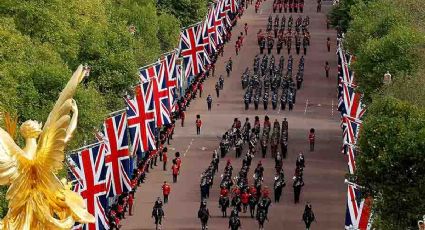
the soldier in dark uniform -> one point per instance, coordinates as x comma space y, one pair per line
279, 44
262, 45
283, 101
297, 43
265, 100
256, 101
264, 145
217, 89
270, 43
290, 101
305, 44
288, 44
274, 100
298, 184
246, 99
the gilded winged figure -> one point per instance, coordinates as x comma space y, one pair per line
37, 198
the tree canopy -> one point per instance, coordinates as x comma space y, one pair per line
387, 35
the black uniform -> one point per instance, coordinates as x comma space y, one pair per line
262, 45
256, 101
279, 45
274, 100
246, 100
265, 100
270, 44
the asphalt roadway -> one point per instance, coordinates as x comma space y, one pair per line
315, 108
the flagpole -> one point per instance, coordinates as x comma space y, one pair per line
146, 66
84, 147
116, 112
191, 25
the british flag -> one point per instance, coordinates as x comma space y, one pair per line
157, 92
351, 158
214, 35
117, 157
352, 102
232, 5
358, 213
221, 15
89, 171
169, 72
192, 49
141, 120
347, 74
352, 128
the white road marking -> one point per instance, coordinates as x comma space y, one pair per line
188, 147
306, 105
332, 108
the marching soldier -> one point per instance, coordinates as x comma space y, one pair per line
262, 45
283, 101
217, 89
298, 184
279, 44
297, 44
264, 145
246, 100
274, 100
290, 101
270, 43
305, 44
265, 100
256, 101
209, 102
288, 44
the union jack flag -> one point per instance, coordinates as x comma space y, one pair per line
117, 157
358, 210
347, 75
352, 102
221, 15
214, 35
192, 50
89, 171
351, 156
157, 92
232, 5
169, 71
351, 129
141, 120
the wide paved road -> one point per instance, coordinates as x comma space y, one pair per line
325, 168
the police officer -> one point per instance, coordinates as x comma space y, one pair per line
256, 101
265, 100
262, 45
274, 100
209, 102
270, 43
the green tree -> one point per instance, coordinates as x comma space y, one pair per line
187, 11
390, 164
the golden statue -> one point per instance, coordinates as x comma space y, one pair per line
37, 199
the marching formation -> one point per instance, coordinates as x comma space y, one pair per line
268, 78
236, 192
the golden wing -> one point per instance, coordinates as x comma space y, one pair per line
59, 126
8, 163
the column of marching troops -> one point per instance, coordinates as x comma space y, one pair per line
300, 35
235, 191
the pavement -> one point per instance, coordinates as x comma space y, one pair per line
315, 108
